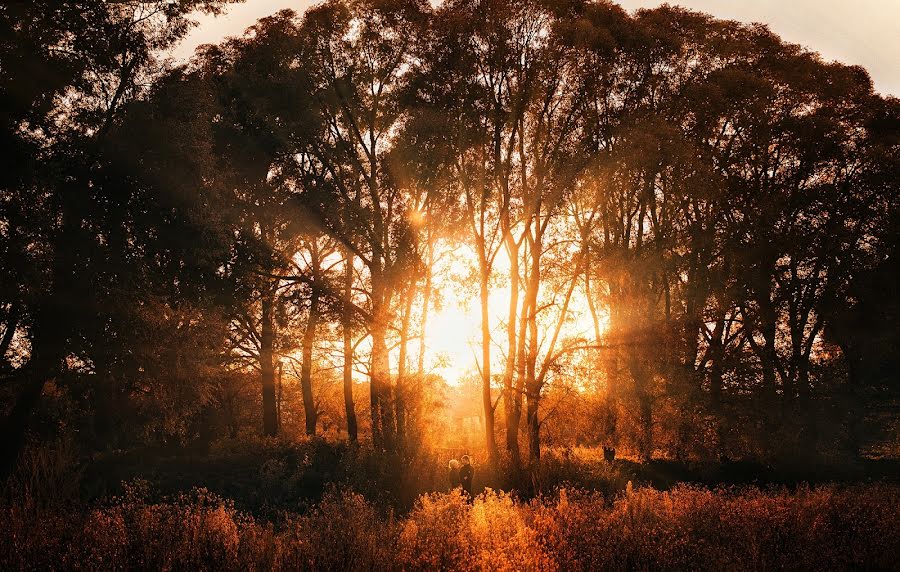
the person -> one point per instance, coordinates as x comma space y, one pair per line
454, 474
466, 472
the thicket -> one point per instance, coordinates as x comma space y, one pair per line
687, 528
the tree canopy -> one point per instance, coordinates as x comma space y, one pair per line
680, 232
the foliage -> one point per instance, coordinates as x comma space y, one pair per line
190, 254
688, 528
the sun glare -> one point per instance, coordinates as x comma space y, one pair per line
453, 333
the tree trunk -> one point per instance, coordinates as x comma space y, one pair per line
716, 352
768, 326
266, 362
347, 327
380, 367
592, 307
645, 406
67, 299
375, 414
852, 397
280, 401
519, 391
487, 401
646, 419
12, 322
426, 303
510, 396
532, 386
400, 396
533, 424
309, 338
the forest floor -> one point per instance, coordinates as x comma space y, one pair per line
269, 504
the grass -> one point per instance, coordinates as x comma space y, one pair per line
686, 528
271, 504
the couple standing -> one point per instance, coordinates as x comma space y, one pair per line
461, 476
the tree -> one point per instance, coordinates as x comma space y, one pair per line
359, 56
99, 56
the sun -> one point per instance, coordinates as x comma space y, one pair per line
453, 329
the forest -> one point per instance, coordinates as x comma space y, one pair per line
640, 267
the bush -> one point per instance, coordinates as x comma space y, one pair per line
687, 528
445, 532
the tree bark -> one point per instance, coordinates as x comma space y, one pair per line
532, 386
520, 387
487, 401
309, 337
510, 396
716, 353
380, 367
400, 396
768, 326
645, 406
426, 303
266, 362
280, 397
347, 327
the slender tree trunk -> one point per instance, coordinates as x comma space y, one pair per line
645, 406
380, 368
266, 362
592, 306
690, 343
852, 397
532, 387
716, 355
375, 414
716, 352
532, 422
280, 378
426, 303
347, 327
511, 398
520, 388
400, 397
646, 419
487, 401
309, 338
768, 327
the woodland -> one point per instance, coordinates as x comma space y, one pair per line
640, 266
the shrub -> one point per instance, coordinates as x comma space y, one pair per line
686, 528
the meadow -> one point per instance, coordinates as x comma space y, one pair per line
317, 506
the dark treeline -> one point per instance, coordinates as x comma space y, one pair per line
178, 242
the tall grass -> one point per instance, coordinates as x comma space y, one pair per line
687, 528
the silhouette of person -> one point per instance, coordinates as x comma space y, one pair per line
454, 474
466, 472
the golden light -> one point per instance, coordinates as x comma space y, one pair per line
453, 332
417, 217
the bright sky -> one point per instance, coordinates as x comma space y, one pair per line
453, 332
861, 32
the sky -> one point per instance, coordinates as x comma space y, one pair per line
859, 32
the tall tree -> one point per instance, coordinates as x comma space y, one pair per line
359, 55
100, 56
